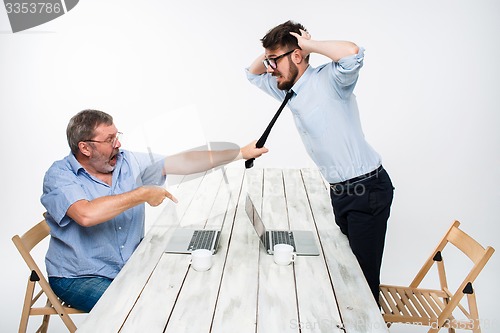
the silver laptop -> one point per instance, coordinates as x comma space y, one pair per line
186, 240
302, 240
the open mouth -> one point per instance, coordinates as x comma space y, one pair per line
278, 76
113, 158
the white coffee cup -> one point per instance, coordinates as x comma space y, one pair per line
201, 260
283, 254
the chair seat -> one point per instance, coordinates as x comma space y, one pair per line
400, 304
419, 307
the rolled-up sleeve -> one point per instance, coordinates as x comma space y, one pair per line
353, 62
345, 72
266, 82
61, 189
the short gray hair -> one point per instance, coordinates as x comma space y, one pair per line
81, 126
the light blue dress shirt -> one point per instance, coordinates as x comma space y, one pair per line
326, 115
103, 249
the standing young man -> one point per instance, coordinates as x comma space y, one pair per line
326, 115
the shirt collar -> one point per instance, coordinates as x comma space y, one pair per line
76, 166
73, 162
300, 82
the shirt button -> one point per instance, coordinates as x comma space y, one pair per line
119, 228
121, 247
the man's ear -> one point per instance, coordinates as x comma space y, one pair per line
298, 57
84, 148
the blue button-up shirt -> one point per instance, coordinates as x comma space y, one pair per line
326, 115
103, 249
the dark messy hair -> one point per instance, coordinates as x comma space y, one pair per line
82, 126
280, 37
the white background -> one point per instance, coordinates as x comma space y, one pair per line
428, 97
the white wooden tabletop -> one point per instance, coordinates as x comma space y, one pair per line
244, 291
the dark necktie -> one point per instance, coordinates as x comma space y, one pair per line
260, 143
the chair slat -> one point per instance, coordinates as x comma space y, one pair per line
394, 308
438, 301
402, 292
430, 300
416, 303
383, 303
401, 305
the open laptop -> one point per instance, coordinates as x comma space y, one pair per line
186, 240
302, 241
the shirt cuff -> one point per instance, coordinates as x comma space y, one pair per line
354, 61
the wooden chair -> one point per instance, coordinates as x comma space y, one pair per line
53, 306
436, 308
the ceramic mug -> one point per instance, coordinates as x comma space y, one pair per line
283, 254
201, 260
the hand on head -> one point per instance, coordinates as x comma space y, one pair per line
302, 39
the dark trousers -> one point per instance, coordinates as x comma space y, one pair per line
361, 209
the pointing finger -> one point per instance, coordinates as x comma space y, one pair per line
171, 197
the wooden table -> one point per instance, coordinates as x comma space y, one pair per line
244, 291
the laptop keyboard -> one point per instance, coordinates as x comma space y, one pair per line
283, 237
202, 239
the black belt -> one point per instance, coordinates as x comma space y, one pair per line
354, 180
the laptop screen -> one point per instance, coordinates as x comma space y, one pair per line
256, 220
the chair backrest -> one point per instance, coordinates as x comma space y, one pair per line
29, 240
467, 245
